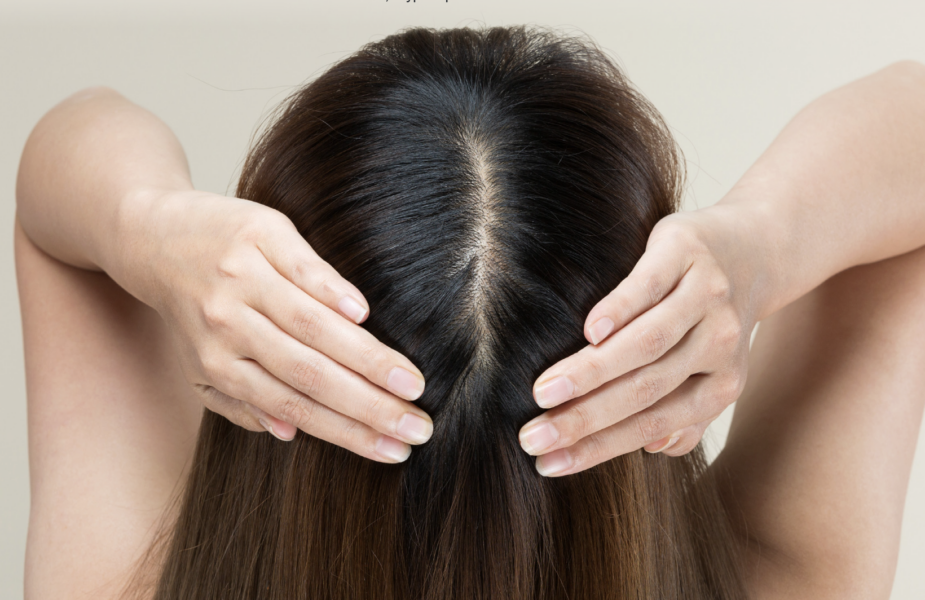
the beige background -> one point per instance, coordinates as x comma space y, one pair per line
727, 77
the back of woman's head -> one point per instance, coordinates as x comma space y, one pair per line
483, 189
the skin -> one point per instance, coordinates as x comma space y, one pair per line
820, 241
265, 330
841, 186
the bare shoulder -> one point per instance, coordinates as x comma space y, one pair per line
112, 426
819, 454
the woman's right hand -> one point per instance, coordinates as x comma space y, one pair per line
267, 332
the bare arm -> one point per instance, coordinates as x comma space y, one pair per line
82, 165
265, 330
112, 427
821, 446
841, 186
820, 450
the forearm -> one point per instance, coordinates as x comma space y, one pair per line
82, 171
842, 185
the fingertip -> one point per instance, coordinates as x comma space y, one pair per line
662, 444
415, 429
351, 308
555, 463
599, 331
392, 450
280, 429
554, 391
596, 314
405, 384
285, 430
606, 317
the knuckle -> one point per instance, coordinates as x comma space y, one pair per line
230, 266
669, 228
619, 307
274, 219
720, 288
241, 416
307, 325
369, 358
652, 287
592, 451
651, 426
678, 232
595, 373
252, 230
374, 409
308, 376
208, 395
728, 334
324, 283
295, 410
301, 270
720, 338
352, 436
731, 388
212, 365
644, 389
580, 423
734, 331
222, 404
216, 314
653, 342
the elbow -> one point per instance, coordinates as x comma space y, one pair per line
87, 93
908, 70
93, 95
47, 134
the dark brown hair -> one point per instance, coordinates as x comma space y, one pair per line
483, 189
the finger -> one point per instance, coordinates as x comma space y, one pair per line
656, 273
231, 408
317, 326
694, 401
289, 253
636, 391
680, 442
281, 430
324, 380
641, 342
253, 384
244, 414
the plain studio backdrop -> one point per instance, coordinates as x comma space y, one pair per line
726, 76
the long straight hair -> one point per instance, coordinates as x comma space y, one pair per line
483, 189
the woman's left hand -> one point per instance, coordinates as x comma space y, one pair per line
669, 349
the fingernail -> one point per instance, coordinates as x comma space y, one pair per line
405, 384
353, 309
539, 437
671, 442
555, 391
268, 427
392, 449
553, 463
414, 429
600, 330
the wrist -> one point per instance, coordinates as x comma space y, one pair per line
757, 231
141, 225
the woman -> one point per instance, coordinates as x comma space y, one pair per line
526, 179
